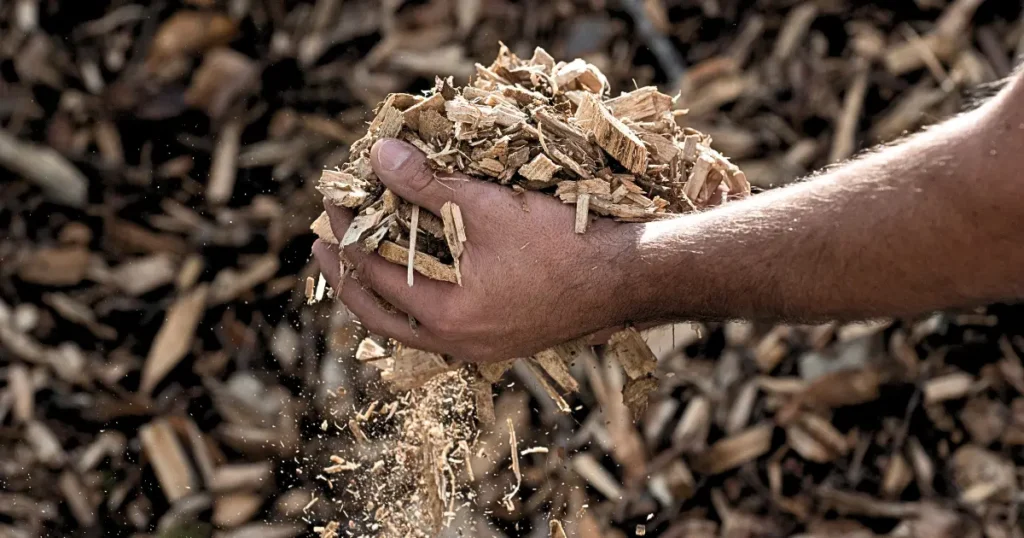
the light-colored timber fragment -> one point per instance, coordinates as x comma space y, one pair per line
321, 227
360, 227
424, 264
454, 230
556, 367
698, 176
735, 450
414, 227
342, 189
629, 349
582, 212
541, 168
644, 104
414, 113
612, 135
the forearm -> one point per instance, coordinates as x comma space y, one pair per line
933, 222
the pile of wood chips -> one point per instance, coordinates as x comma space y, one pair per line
537, 125
160, 376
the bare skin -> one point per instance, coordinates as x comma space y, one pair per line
933, 222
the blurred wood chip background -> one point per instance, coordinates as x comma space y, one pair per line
159, 375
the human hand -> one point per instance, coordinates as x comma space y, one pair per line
529, 281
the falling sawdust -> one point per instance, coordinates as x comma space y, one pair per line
408, 468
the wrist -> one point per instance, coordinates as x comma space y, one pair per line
637, 287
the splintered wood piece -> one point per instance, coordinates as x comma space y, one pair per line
342, 189
644, 104
735, 450
174, 339
612, 135
424, 264
542, 58
493, 371
55, 266
698, 176
167, 456
569, 72
230, 284
360, 227
224, 168
414, 114
691, 433
597, 476
22, 388
81, 500
370, 350
560, 402
414, 226
541, 169
552, 363
555, 529
413, 367
636, 394
948, 387
628, 348
582, 212
477, 116
389, 121
513, 444
807, 446
689, 151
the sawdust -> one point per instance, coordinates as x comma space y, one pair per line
408, 468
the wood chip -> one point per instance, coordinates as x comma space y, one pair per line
174, 340
166, 455
613, 136
424, 264
735, 450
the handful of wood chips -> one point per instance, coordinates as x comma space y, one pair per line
537, 125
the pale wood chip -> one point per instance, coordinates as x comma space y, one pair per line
698, 176
424, 264
414, 113
553, 363
555, 529
560, 402
174, 339
167, 456
413, 367
628, 348
343, 189
541, 168
370, 350
612, 135
507, 500
735, 450
414, 227
582, 212
643, 104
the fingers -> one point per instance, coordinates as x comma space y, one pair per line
341, 218
405, 171
390, 281
329, 261
379, 321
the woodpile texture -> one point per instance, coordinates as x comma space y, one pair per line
161, 376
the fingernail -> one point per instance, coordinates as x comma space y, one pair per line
393, 154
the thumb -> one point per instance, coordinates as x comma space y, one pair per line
404, 169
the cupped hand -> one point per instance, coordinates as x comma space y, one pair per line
528, 281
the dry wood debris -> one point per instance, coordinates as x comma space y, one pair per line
511, 125
105, 164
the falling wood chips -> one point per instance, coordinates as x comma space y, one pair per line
535, 125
